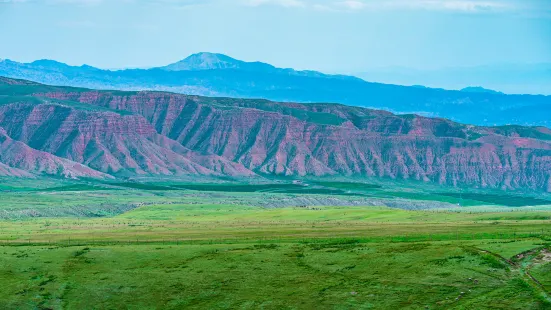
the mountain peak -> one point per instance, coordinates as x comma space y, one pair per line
479, 89
205, 61
48, 63
211, 56
215, 61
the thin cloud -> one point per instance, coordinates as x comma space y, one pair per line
56, 2
352, 4
472, 6
97, 2
526, 7
283, 3
453, 5
433, 5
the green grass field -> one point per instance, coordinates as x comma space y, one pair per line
162, 245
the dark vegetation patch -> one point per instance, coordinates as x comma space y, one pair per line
7, 188
335, 246
487, 258
24, 90
413, 247
313, 117
318, 191
81, 252
502, 199
19, 99
23, 94
521, 217
270, 246
350, 185
425, 196
522, 131
402, 247
445, 129
472, 136
266, 188
73, 188
265, 105
493, 261
85, 107
45, 280
239, 188
143, 186
448, 260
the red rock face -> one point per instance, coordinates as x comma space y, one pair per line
171, 134
107, 141
17, 159
7, 171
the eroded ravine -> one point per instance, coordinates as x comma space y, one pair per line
524, 262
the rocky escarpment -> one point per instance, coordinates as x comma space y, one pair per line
106, 141
162, 133
18, 159
7, 171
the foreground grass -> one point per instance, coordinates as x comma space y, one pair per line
205, 256
334, 275
175, 250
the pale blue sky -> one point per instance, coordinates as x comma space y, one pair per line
326, 35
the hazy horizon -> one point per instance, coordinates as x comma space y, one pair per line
494, 77
259, 59
331, 36
326, 35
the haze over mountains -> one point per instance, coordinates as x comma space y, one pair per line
220, 75
76, 132
507, 78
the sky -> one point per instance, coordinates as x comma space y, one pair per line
327, 35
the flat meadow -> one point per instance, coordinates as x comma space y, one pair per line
151, 246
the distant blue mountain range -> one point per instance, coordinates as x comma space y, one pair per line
508, 78
222, 76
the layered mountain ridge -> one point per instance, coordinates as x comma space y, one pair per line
211, 74
18, 159
121, 134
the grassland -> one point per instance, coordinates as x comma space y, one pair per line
152, 245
